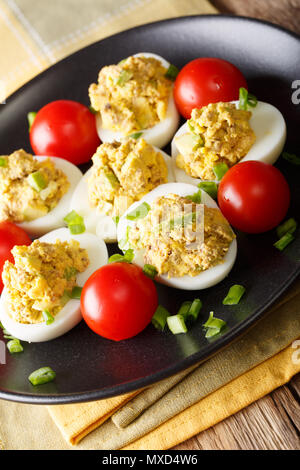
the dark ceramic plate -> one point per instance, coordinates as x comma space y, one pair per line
87, 366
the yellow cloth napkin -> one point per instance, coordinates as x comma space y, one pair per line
34, 35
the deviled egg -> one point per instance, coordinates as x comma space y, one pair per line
221, 133
181, 233
40, 300
136, 96
122, 173
35, 191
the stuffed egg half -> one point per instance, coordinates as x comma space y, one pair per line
135, 96
37, 301
122, 173
35, 191
179, 261
220, 132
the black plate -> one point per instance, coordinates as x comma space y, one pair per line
89, 367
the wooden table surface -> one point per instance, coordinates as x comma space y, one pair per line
273, 422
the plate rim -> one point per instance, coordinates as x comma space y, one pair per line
234, 334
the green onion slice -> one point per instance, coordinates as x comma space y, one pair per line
196, 198
47, 317
76, 292
140, 212
220, 169
124, 77
234, 295
210, 187
93, 110
76, 229
118, 258
246, 99
159, 318
150, 271
291, 158
136, 135
14, 346
112, 179
31, 117
116, 219
289, 226
176, 324
284, 241
215, 324
124, 242
37, 181
194, 310
184, 309
3, 161
42, 376
172, 72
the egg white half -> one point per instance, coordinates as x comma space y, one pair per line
70, 315
207, 278
95, 222
269, 127
54, 218
158, 135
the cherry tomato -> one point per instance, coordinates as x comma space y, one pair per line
65, 129
118, 301
10, 235
254, 196
206, 80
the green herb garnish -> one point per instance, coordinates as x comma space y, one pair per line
220, 169
176, 324
150, 271
213, 326
246, 99
234, 295
37, 181
124, 77
31, 117
172, 72
42, 376
284, 241
159, 318
47, 317
291, 158
210, 187
289, 226
140, 212
14, 346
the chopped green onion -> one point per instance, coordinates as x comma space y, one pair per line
213, 325
289, 226
172, 72
31, 117
284, 241
116, 219
70, 272
76, 229
220, 169
196, 198
42, 376
136, 135
76, 292
140, 212
93, 110
47, 317
112, 179
190, 126
291, 158
73, 218
116, 258
75, 223
124, 77
176, 324
37, 181
194, 310
210, 187
124, 242
1, 326
159, 318
150, 271
8, 337
3, 161
246, 99
234, 295
65, 298
127, 257
14, 346
184, 309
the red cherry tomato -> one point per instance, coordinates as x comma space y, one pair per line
10, 235
254, 196
206, 80
118, 301
65, 129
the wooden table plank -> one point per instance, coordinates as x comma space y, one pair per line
283, 12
